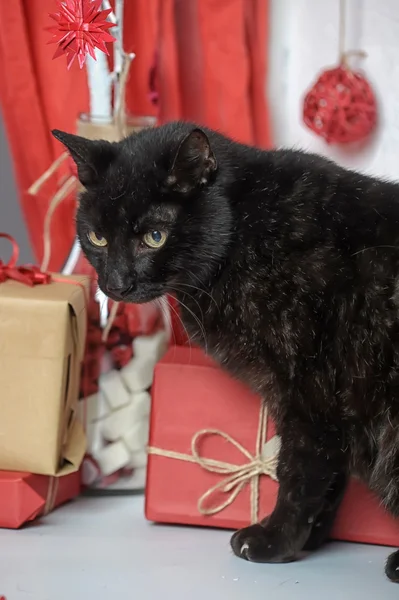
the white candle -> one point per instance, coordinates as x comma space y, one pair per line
99, 79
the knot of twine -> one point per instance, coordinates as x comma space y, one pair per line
345, 56
237, 476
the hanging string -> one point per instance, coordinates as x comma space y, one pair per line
344, 55
342, 30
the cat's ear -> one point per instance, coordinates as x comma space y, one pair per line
92, 157
194, 163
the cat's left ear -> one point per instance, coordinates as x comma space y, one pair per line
194, 163
92, 157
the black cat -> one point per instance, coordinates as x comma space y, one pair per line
287, 269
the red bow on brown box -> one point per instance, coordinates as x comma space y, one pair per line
29, 275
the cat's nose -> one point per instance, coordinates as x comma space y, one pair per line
117, 285
119, 291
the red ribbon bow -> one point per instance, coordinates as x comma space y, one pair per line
28, 274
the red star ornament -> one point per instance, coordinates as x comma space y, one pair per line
81, 26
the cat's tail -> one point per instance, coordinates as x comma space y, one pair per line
392, 567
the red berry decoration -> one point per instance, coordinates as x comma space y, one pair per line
341, 106
81, 27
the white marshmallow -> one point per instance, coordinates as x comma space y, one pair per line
101, 409
92, 409
107, 363
141, 405
114, 390
138, 459
151, 347
118, 423
95, 439
112, 458
138, 374
136, 438
90, 471
138, 479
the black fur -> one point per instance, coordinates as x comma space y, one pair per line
287, 269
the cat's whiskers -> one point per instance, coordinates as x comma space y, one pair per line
375, 248
195, 277
200, 325
202, 291
160, 302
176, 289
182, 324
119, 196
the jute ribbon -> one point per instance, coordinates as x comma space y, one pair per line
36, 185
52, 491
59, 196
63, 192
236, 476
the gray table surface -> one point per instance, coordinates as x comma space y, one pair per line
103, 549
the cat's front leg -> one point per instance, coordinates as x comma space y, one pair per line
310, 458
324, 522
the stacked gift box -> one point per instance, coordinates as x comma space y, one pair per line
61, 378
42, 342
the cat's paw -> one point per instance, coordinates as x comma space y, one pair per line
257, 544
392, 567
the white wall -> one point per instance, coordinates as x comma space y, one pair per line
304, 40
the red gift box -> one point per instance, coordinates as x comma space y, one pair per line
203, 446
208, 461
24, 497
361, 518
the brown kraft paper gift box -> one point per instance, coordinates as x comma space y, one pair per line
42, 339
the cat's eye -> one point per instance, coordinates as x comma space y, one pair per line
97, 240
154, 239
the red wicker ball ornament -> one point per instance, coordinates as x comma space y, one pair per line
341, 106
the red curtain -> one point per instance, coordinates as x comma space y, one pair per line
37, 95
210, 65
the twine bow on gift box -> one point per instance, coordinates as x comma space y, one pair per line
237, 476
